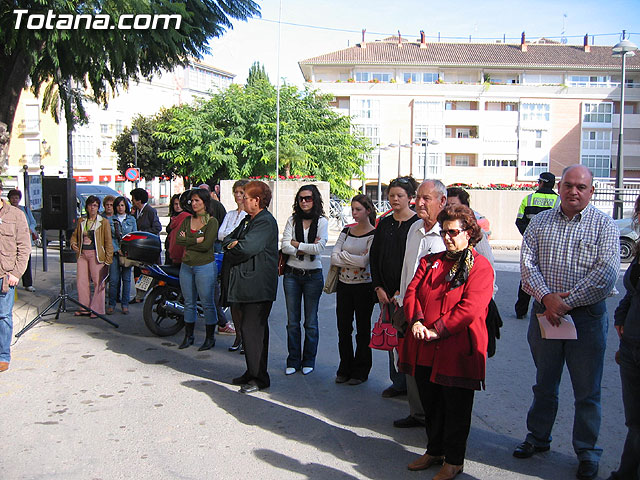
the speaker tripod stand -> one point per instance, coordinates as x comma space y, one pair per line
61, 301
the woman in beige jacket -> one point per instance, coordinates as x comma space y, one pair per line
93, 246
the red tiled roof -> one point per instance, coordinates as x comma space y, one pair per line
475, 54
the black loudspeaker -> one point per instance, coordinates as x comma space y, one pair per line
59, 203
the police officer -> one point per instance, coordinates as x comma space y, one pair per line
543, 199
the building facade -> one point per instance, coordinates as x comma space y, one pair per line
483, 114
41, 145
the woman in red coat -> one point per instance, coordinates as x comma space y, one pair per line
445, 347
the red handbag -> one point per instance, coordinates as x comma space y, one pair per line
384, 336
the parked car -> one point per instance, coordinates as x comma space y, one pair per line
628, 239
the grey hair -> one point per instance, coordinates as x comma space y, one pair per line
439, 186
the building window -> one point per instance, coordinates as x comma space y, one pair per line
600, 165
119, 127
362, 76
535, 112
447, 132
510, 107
83, 150
32, 152
463, 133
412, 77
589, 80
104, 128
538, 139
372, 132
490, 162
381, 77
533, 168
365, 109
32, 118
597, 113
596, 140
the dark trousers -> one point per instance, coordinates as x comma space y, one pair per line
354, 298
630, 376
522, 304
27, 281
447, 417
254, 326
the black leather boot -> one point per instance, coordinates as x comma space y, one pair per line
188, 335
210, 339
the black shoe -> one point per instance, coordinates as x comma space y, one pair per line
342, 379
408, 422
392, 392
248, 388
355, 381
526, 450
236, 345
587, 470
520, 315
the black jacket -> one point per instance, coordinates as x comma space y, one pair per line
250, 273
148, 220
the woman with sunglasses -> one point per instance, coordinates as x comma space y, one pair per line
304, 238
387, 255
122, 222
445, 347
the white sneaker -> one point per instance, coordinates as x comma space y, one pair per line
307, 370
30, 288
289, 371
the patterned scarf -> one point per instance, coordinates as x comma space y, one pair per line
459, 272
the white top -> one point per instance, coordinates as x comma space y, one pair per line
308, 247
231, 220
419, 243
351, 254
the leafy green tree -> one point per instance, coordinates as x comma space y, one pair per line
257, 73
150, 162
102, 60
233, 135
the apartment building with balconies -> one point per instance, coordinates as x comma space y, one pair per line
480, 113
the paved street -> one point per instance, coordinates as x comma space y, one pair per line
83, 400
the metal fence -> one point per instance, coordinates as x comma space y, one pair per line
605, 193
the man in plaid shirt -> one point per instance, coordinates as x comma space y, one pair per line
569, 262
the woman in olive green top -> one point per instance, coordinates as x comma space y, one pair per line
198, 272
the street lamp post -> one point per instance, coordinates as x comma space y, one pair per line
135, 136
622, 49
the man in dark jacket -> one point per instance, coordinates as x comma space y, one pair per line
146, 221
542, 199
146, 216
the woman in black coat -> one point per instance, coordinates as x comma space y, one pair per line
251, 282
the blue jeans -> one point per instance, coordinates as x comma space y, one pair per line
296, 287
585, 360
6, 322
197, 282
117, 274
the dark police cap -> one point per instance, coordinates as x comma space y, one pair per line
548, 178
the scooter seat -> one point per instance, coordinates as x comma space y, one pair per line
171, 270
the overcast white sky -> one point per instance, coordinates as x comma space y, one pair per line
319, 24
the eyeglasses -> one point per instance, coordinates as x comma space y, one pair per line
305, 199
453, 233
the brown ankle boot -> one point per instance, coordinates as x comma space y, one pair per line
424, 462
448, 471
